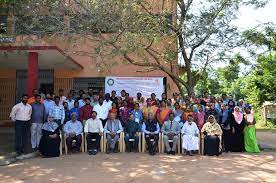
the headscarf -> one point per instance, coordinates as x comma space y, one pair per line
50, 126
215, 121
237, 115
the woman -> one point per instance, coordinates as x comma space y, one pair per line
124, 112
212, 131
163, 112
200, 117
114, 109
177, 110
250, 140
237, 124
50, 140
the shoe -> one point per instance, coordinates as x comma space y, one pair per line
94, 152
168, 152
115, 151
173, 152
108, 151
90, 152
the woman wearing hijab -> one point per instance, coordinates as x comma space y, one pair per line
250, 140
237, 124
211, 129
50, 140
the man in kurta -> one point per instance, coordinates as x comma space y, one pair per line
190, 136
112, 128
171, 130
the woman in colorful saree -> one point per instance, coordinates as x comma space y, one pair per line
163, 112
250, 140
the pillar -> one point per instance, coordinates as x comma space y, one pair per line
32, 79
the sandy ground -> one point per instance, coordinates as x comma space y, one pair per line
141, 167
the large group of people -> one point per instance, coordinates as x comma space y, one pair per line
223, 124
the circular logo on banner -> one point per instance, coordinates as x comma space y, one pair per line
110, 82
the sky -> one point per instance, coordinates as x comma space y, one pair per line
250, 17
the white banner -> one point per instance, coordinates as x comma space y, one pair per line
133, 85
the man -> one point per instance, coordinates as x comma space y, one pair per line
73, 131
94, 130
138, 115
224, 121
151, 129
32, 99
131, 132
66, 112
86, 111
190, 136
90, 93
57, 111
21, 115
112, 128
102, 111
94, 101
61, 95
140, 100
170, 129
107, 101
224, 99
48, 103
113, 97
123, 94
37, 119
212, 111
76, 109
70, 101
82, 100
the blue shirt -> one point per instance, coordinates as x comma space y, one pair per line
77, 111
81, 103
138, 116
48, 104
57, 111
73, 127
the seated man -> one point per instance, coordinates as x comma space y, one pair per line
112, 128
190, 136
151, 129
94, 130
170, 130
73, 131
131, 132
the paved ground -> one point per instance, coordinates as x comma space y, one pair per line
140, 167
124, 168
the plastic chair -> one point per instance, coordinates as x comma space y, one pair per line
82, 144
144, 144
178, 147
132, 140
94, 140
120, 142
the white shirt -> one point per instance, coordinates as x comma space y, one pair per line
93, 126
102, 111
70, 103
21, 112
188, 129
108, 104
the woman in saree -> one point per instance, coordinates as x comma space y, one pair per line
50, 140
163, 112
250, 140
212, 132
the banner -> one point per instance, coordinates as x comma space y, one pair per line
133, 85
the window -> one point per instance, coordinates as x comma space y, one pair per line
3, 24
95, 83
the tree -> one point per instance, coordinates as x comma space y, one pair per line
147, 34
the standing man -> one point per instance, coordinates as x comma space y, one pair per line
113, 97
57, 111
94, 130
21, 115
48, 103
70, 101
32, 99
170, 130
107, 101
151, 129
37, 119
73, 131
190, 136
86, 111
61, 95
102, 111
112, 128
131, 132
